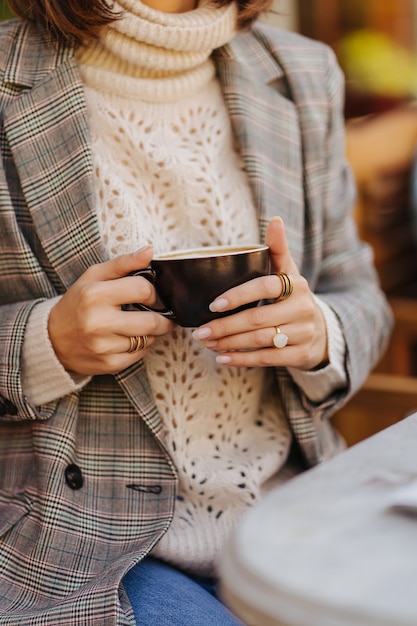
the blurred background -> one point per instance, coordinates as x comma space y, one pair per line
375, 42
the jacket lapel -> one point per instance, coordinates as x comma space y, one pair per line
265, 122
47, 131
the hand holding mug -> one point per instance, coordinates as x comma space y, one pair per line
88, 329
249, 338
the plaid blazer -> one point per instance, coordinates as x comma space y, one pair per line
86, 485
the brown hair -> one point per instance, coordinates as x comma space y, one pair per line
76, 21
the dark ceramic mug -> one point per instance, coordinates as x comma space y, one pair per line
187, 281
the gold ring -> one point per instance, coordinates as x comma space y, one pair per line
279, 340
287, 286
138, 342
143, 342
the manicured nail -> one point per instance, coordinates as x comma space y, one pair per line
201, 333
223, 359
141, 250
218, 305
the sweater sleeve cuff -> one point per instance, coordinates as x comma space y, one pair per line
319, 384
44, 379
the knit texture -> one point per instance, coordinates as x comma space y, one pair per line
166, 172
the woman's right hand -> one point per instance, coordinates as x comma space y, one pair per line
89, 331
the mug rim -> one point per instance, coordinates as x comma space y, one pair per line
206, 252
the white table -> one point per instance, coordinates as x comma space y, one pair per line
326, 548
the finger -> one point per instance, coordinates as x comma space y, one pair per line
120, 345
131, 323
254, 340
259, 289
267, 287
267, 357
113, 351
237, 323
121, 291
120, 266
114, 361
107, 332
263, 288
138, 344
276, 239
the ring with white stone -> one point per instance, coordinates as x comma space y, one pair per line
279, 340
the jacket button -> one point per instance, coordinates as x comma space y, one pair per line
73, 476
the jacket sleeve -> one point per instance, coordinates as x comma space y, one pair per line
338, 266
348, 281
23, 284
13, 403
44, 378
344, 275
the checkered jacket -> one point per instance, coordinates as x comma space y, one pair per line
86, 485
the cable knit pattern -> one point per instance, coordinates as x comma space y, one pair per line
166, 172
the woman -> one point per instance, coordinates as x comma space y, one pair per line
130, 446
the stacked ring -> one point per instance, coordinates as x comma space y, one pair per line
287, 286
138, 342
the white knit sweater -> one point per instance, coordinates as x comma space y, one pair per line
166, 172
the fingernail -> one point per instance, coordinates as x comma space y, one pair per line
218, 305
277, 218
201, 333
141, 250
223, 359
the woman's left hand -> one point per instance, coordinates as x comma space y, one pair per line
246, 339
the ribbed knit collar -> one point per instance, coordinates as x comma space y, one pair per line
150, 44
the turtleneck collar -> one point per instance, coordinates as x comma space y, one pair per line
150, 43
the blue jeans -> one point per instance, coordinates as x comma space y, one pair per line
164, 596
